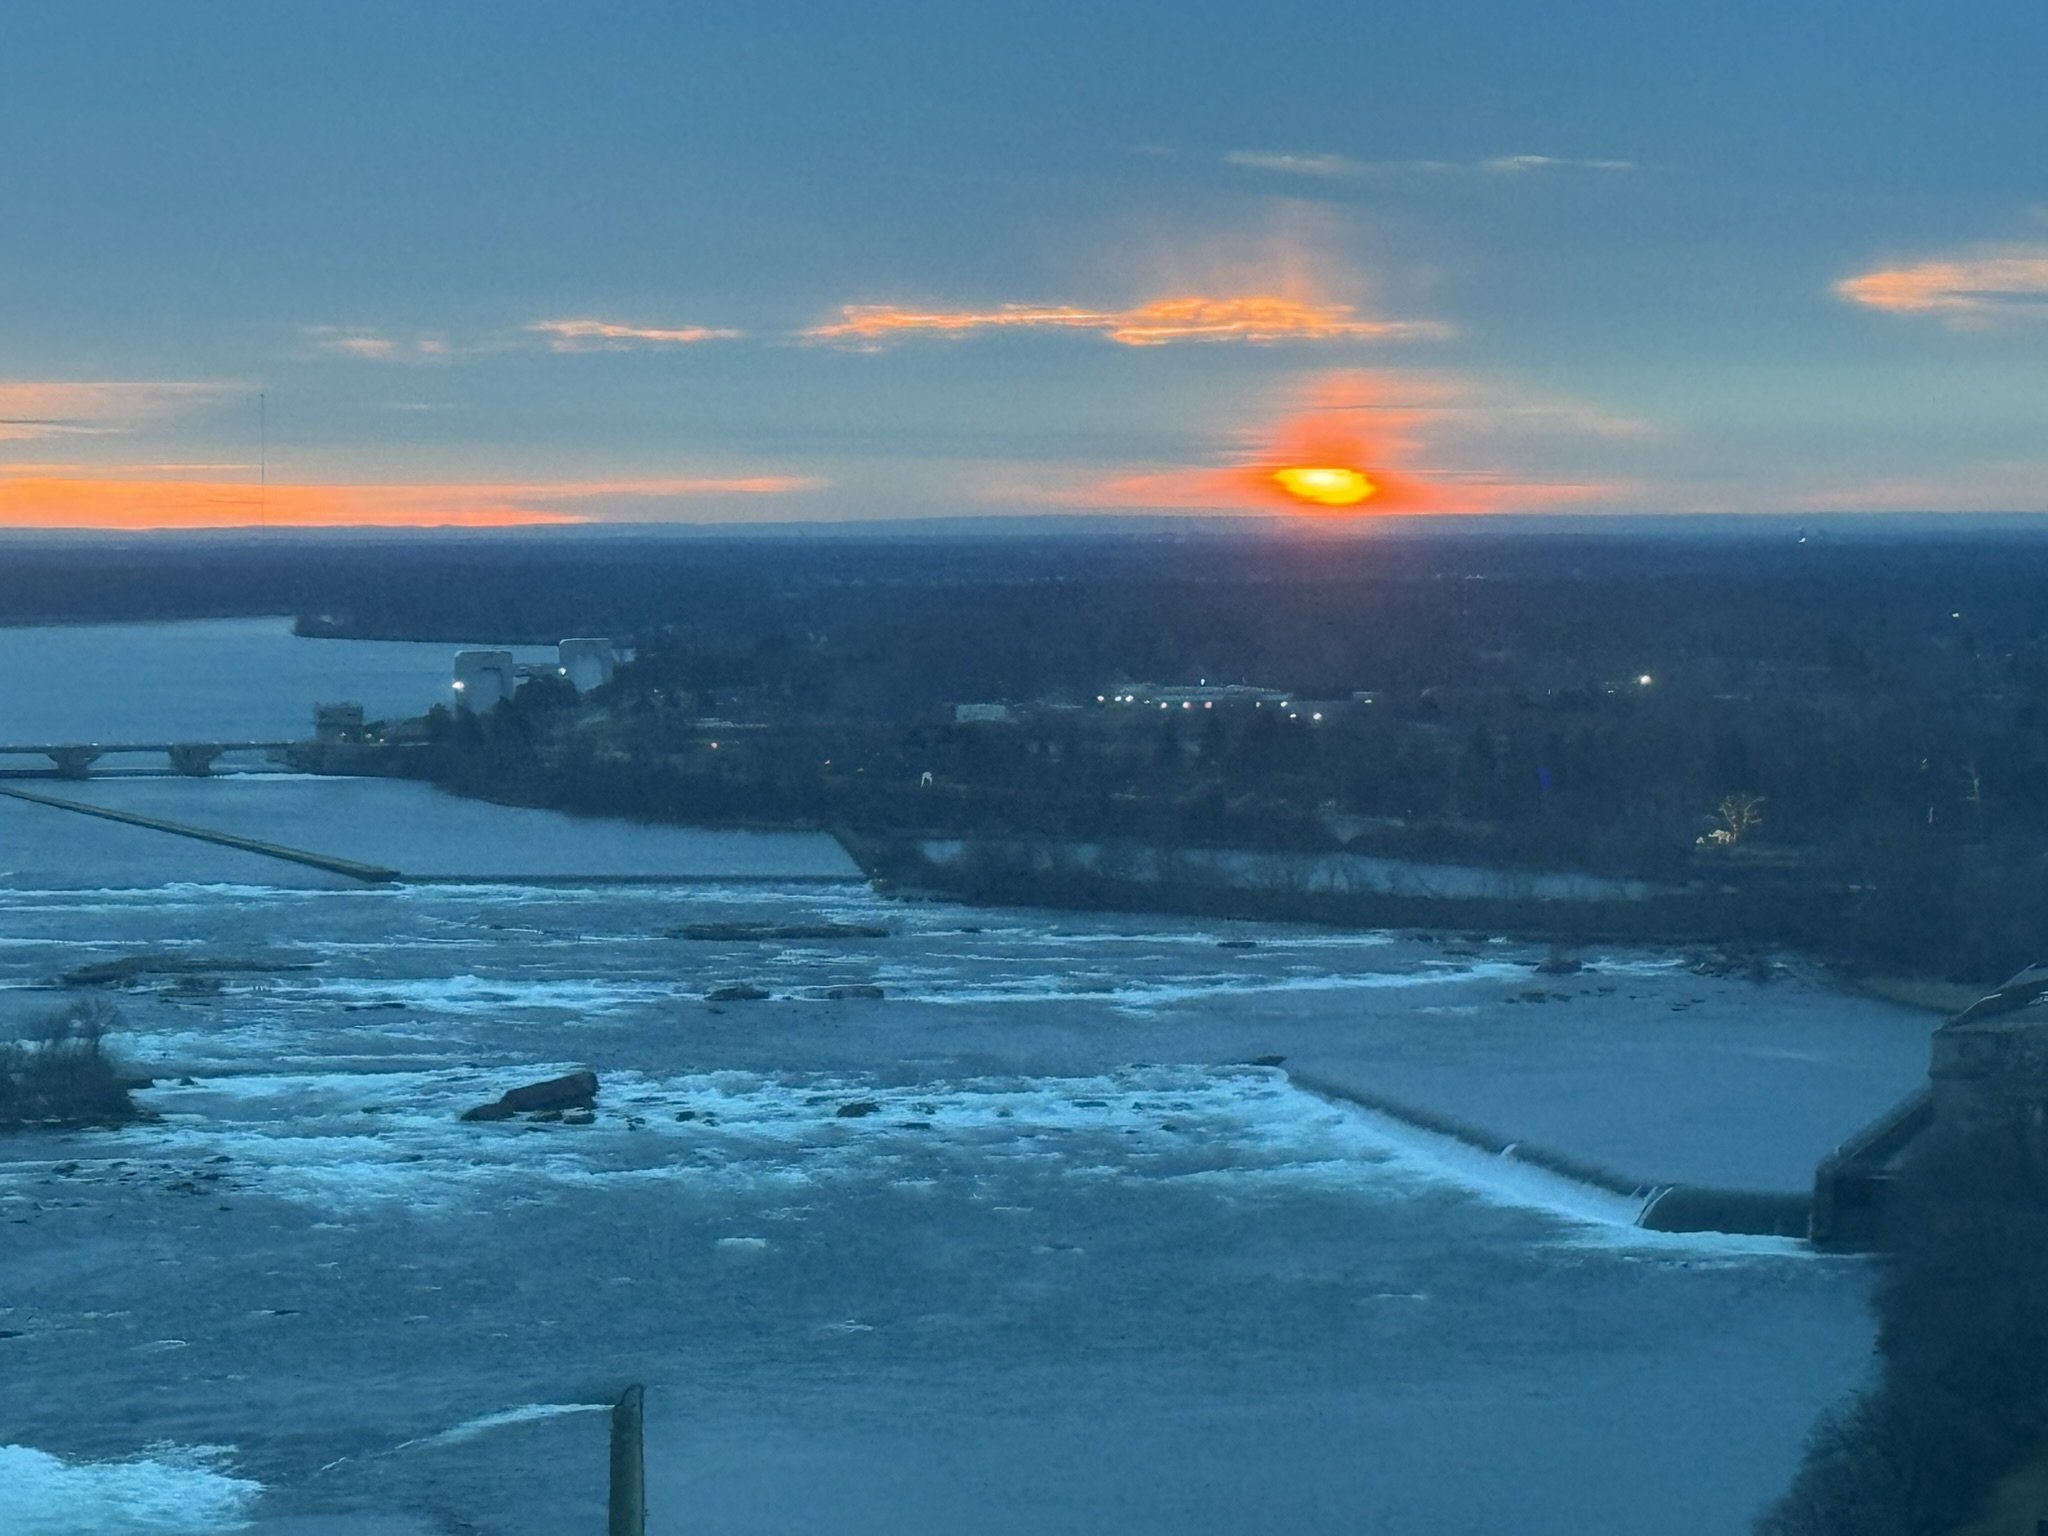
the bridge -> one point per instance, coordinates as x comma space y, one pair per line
74, 759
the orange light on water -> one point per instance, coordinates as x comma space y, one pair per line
1326, 485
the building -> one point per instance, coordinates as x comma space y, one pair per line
587, 663
982, 714
338, 722
483, 679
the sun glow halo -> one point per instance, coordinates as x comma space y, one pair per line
1326, 485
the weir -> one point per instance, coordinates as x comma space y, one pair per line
369, 874
1651, 1204
1988, 1072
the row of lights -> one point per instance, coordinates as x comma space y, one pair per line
1132, 698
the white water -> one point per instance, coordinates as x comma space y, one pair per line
166, 1491
1073, 1231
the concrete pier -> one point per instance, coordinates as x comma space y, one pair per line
369, 874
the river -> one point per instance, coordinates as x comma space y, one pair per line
1027, 1245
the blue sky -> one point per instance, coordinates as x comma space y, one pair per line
544, 260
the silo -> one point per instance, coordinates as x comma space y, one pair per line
483, 678
587, 663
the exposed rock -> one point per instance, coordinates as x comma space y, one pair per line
863, 989
857, 1108
1237, 943
574, 1091
738, 992
1267, 1061
1558, 963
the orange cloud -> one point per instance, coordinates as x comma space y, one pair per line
1194, 317
45, 501
1971, 291
609, 336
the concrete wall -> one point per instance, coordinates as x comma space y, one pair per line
1990, 1080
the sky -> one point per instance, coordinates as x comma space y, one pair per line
442, 264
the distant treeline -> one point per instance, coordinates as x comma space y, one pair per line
1881, 703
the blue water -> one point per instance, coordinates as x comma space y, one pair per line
1072, 1266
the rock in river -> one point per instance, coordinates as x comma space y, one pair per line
576, 1091
738, 992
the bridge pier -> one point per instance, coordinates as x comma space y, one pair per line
73, 762
194, 759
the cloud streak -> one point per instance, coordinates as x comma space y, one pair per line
366, 345
52, 501
1330, 167
46, 408
1255, 318
612, 336
1973, 291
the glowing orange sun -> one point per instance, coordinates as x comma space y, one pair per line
1326, 485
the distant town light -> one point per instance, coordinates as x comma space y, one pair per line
458, 685
1645, 680
1100, 699
1317, 715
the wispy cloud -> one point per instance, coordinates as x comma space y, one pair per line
47, 408
1259, 318
1517, 165
1295, 165
376, 346
1344, 167
53, 501
1976, 290
612, 336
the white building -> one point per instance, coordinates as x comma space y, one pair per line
587, 663
483, 679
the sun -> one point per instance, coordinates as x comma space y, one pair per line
1326, 485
